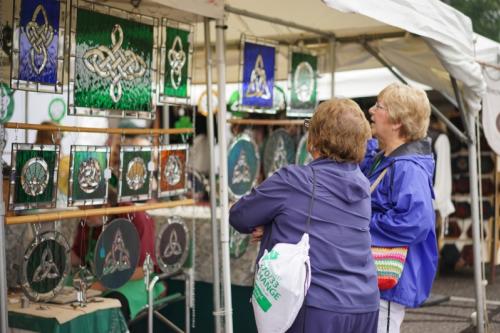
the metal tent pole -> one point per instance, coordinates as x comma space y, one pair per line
333, 64
213, 204
223, 197
473, 178
3, 264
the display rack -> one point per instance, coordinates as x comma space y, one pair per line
84, 213
263, 122
123, 131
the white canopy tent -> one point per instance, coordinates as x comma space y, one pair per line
425, 40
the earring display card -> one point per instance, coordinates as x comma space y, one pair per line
175, 68
34, 176
303, 84
88, 184
113, 62
38, 45
258, 62
135, 173
172, 173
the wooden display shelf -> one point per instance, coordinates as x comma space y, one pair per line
267, 122
122, 131
83, 213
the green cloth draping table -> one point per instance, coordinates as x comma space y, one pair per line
101, 317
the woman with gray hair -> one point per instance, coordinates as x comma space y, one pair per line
343, 296
402, 212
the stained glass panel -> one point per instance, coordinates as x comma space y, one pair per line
88, 184
135, 173
34, 176
114, 64
303, 84
258, 64
38, 45
176, 55
172, 173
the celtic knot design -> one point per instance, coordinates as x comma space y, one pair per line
258, 81
118, 259
241, 171
177, 60
173, 170
304, 81
35, 176
115, 63
40, 37
47, 268
89, 175
136, 173
280, 157
173, 248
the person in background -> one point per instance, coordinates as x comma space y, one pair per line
402, 211
343, 296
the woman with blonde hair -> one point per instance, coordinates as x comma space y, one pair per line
343, 296
402, 212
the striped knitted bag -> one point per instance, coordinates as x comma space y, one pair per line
389, 262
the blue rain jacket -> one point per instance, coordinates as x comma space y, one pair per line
402, 215
344, 278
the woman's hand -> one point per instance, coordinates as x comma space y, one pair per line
257, 234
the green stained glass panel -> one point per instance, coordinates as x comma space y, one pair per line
176, 62
133, 182
34, 173
87, 175
303, 83
113, 63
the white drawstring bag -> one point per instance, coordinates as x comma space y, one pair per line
281, 282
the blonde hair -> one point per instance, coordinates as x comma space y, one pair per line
408, 106
339, 130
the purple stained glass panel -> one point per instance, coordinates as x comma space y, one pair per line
39, 40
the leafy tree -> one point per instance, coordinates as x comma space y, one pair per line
485, 15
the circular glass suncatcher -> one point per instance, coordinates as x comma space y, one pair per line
243, 165
172, 245
35, 176
137, 173
89, 175
238, 243
46, 263
303, 157
279, 151
116, 253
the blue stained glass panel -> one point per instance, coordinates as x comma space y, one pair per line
39, 40
258, 75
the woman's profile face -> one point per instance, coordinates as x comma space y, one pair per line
380, 121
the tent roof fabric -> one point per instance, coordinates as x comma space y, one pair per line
439, 42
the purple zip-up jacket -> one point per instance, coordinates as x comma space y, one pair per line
344, 278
